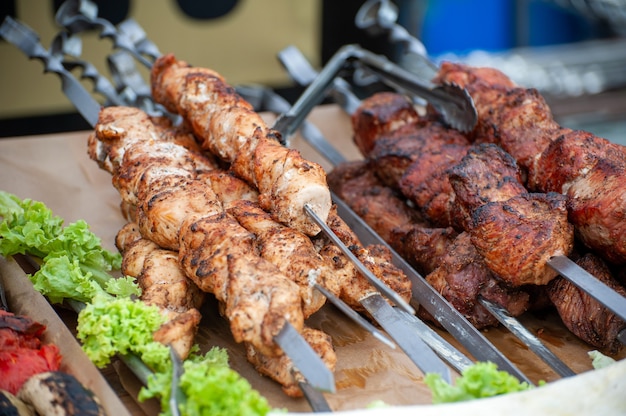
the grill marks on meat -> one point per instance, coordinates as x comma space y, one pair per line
377, 118
220, 256
581, 175
506, 112
291, 251
227, 126
449, 260
463, 276
590, 171
189, 211
555, 158
516, 232
583, 315
401, 226
164, 285
411, 156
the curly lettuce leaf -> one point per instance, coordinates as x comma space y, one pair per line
480, 380
109, 326
210, 387
74, 264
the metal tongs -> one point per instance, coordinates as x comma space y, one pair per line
455, 104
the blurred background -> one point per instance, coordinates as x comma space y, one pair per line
573, 51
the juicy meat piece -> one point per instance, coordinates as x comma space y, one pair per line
179, 332
379, 206
219, 255
393, 154
22, 352
161, 214
227, 126
486, 174
463, 277
569, 156
395, 222
584, 316
282, 369
466, 76
518, 236
590, 171
163, 285
227, 187
277, 243
379, 115
516, 232
518, 119
423, 247
426, 183
597, 208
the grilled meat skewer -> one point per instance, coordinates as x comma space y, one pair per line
164, 285
516, 232
520, 121
228, 127
257, 299
447, 259
184, 214
505, 189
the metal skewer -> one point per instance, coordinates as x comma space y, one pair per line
265, 99
355, 316
527, 338
80, 15
300, 70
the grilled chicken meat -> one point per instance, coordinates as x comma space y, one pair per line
520, 121
282, 368
164, 285
182, 210
375, 257
229, 127
291, 251
583, 315
220, 256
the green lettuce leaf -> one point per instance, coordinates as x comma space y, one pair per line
108, 326
74, 264
480, 380
210, 387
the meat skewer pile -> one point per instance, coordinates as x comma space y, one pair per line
407, 154
210, 212
587, 169
214, 250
